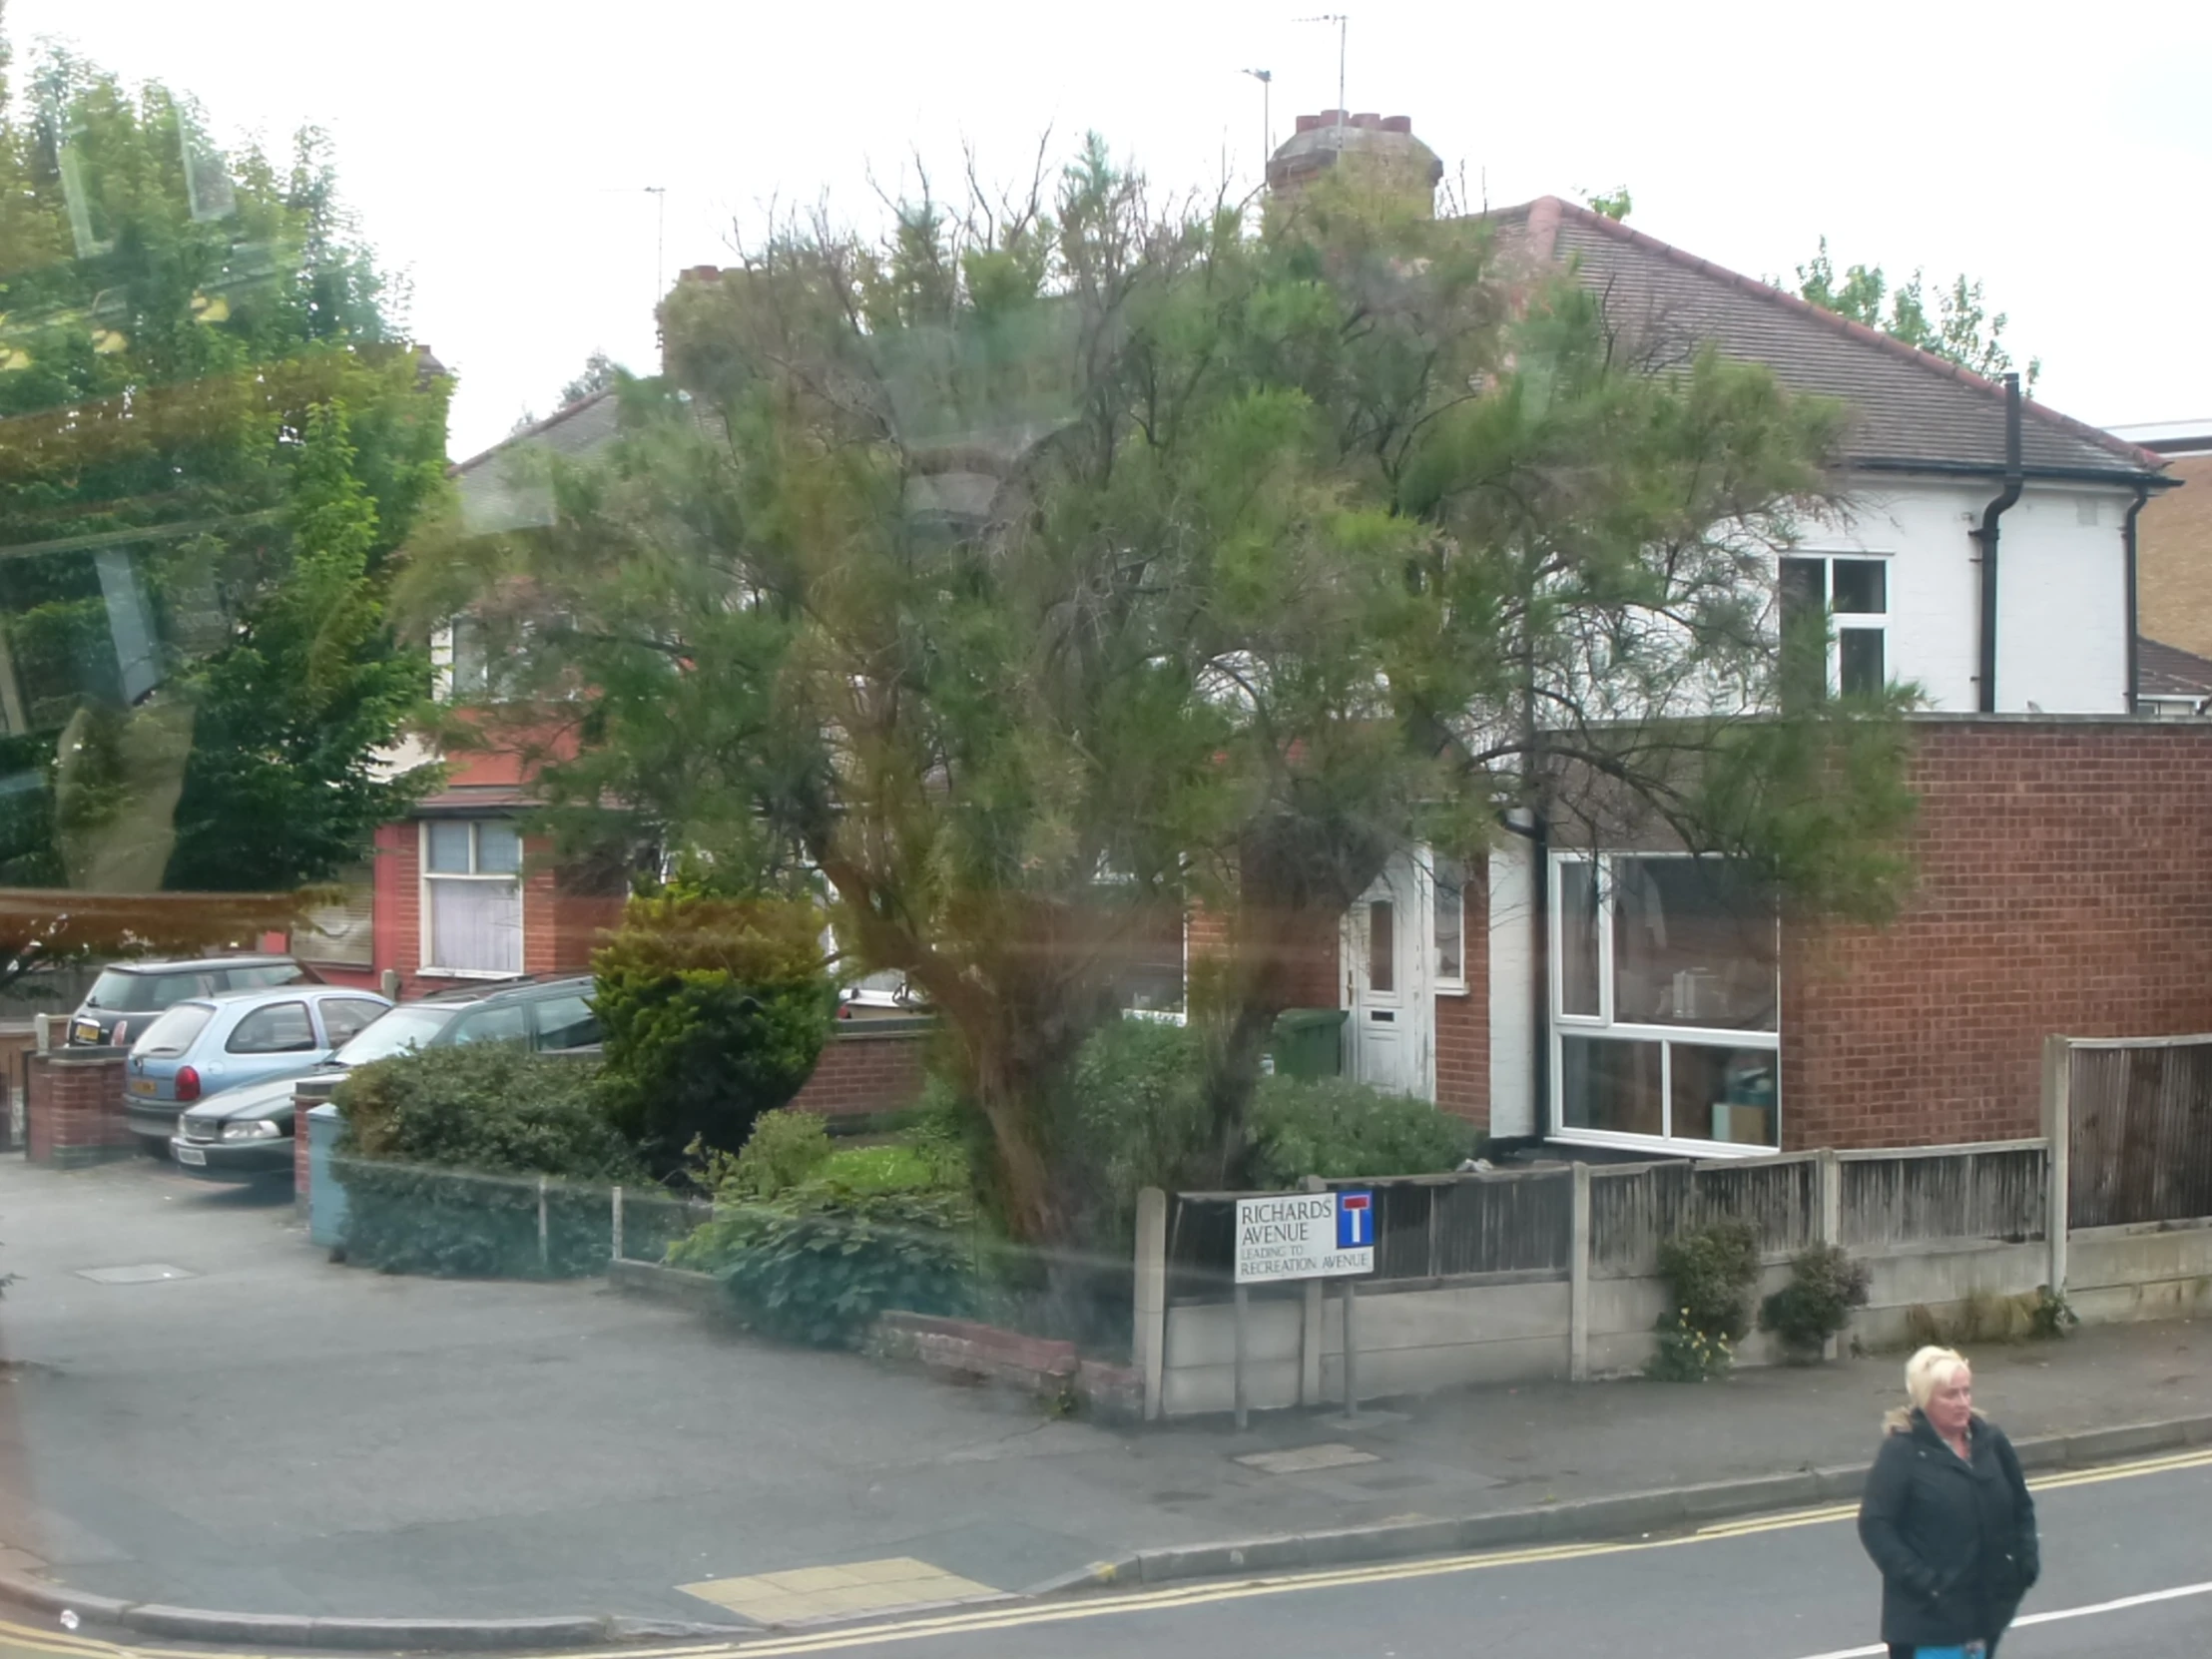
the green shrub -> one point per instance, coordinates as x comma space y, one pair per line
1825, 1285
443, 1151
715, 1011
1333, 1126
1710, 1272
1136, 1114
784, 1149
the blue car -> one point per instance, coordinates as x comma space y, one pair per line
206, 1044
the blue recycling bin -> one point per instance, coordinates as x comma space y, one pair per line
326, 1193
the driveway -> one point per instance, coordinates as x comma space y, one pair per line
232, 1420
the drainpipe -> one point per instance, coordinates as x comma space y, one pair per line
2127, 544
1987, 538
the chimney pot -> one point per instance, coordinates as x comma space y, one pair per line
1367, 119
703, 273
1309, 123
1397, 124
1332, 118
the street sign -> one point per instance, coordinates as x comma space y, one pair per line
1304, 1236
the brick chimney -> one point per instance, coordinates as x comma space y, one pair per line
1381, 150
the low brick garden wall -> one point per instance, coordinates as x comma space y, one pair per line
74, 1114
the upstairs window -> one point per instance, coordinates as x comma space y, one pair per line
1854, 595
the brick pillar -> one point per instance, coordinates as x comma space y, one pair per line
75, 1112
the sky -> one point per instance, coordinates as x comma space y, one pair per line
504, 157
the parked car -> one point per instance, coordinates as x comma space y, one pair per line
206, 1044
127, 996
246, 1134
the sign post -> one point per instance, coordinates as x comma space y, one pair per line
1294, 1235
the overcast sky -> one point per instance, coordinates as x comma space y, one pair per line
501, 153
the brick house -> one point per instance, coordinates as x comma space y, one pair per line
1612, 998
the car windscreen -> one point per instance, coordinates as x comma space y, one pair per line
394, 1033
174, 1032
115, 991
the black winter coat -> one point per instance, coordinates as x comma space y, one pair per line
1956, 1542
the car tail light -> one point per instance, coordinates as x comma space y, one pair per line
188, 1083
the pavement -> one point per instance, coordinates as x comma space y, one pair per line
231, 1422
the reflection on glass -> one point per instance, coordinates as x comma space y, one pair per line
1725, 1094
1694, 944
1860, 587
1611, 1085
1578, 937
1859, 654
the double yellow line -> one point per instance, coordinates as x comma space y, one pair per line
1014, 1615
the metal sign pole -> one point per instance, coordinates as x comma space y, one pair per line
1244, 1299
1352, 1349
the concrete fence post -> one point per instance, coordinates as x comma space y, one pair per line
613, 1223
545, 1252
1578, 1278
2058, 1132
1148, 1341
1310, 1326
1831, 1221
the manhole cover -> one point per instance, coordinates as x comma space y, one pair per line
1305, 1458
139, 1273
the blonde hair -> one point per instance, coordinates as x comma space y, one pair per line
1924, 1373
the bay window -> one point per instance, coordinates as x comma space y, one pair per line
1665, 996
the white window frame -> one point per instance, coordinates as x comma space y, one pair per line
426, 931
1858, 622
1560, 1026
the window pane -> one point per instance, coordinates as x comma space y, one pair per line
449, 852
174, 1032
1860, 652
280, 1029
1382, 945
346, 1017
1693, 945
1725, 1094
476, 926
1452, 918
1804, 590
1578, 974
498, 849
508, 1023
470, 679
565, 1022
1861, 587
1609, 1085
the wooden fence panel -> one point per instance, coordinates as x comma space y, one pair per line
2141, 1140
1634, 1207
1917, 1197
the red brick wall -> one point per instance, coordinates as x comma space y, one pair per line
2063, 886
560, 928
396, 908
73, 1112
1314, 981
867, 1071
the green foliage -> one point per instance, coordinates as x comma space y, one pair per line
1709, 1272
1136, 1118
1825, 1285
441, 1153
812, 1243
1688, 1354
1610, 204
1334, 1127
1959, 329
785, 1148
1051, 537
714, 1010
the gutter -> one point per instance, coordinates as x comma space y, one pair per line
2127, 545
1987, 539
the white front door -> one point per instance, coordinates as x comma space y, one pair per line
1389, 1038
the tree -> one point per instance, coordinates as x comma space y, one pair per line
1960, 331
600, 373
212, 440
1049, 560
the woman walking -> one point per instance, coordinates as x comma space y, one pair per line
1947, 1516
